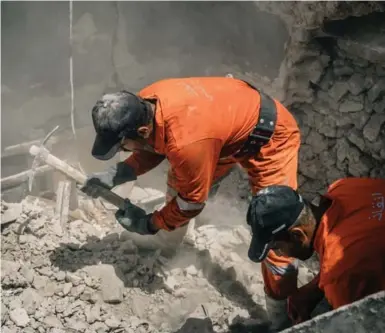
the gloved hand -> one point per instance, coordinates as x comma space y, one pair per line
135, 219
301, 304
109, 178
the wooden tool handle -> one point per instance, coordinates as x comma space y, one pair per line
58, 164
74, 174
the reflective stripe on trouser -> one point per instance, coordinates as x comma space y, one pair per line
280, 275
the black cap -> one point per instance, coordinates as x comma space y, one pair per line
272, 210
117, 116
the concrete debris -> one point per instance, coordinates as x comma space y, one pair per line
19, 316
91, 279
10, 212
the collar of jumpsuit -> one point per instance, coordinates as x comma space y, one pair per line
158, 139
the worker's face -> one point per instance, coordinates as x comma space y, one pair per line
135, 145
296, 242
141, 143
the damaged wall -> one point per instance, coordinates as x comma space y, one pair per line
336, 89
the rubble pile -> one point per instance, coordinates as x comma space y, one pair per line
89, 276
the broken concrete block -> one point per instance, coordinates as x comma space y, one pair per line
20, 317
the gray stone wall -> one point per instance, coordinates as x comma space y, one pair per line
336, 89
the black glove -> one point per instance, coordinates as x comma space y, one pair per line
109, 178
135, 219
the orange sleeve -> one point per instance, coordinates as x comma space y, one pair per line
194, 166
143, 161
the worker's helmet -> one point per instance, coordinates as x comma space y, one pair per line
117, 117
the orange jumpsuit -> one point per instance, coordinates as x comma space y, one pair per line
350, 241
200, 123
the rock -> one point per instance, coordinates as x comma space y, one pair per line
306, 152
93, 313
316, 141
10, 276
379, 106
39, 282
73, 307
31, 300
76, 325
67, 288
356, 84
77, 291
359, 169
99, 327
128, 246
92, 282
28, 273
191, 270
20, 317
82, 230
343, 71
111, 286
15, 303
52, 321
73, 278
377, 91
338, 90
10, 212
170, 284
3, 313
56, 330
373, 127
60, 276
327, 127
61, 305
359, 119
351, 106
112, 322
139, 305
46, 271
355, 137
50, 289
314, 70
88, 295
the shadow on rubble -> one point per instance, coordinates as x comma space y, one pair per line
132, 266
137, 268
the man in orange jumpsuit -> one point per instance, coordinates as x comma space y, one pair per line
347, 230
203, 126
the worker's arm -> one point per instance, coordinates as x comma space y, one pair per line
143, 161
301, 304
194, 166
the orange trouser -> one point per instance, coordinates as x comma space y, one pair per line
277, 164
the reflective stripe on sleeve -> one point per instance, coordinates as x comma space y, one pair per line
186, 205
282, 270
